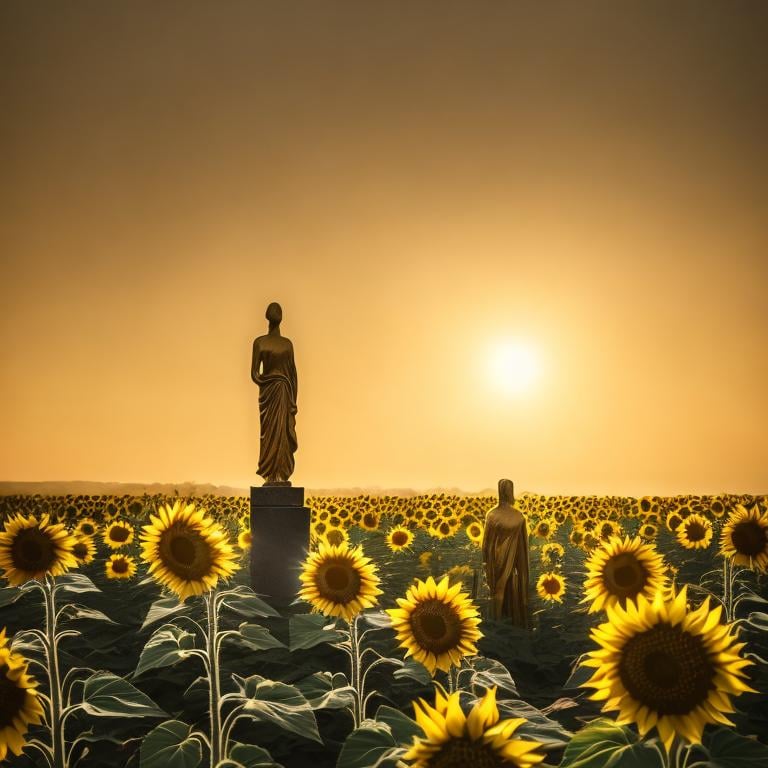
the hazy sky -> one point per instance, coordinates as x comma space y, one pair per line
415, 183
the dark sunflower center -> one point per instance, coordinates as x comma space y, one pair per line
338, 581
749, 538
645, 505
185, 553
667, 670
87, 529
119, 533
11, 699
120, 566
551, 586
436, 626
32, 550
696, 531
463, 753
606, 530
80, 550
624, 576
369, 520
400, 538
674, 522
445, 528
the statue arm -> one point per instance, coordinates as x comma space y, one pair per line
255, 361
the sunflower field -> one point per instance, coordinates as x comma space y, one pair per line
130, 636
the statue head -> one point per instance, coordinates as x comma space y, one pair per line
506, 492
274, 313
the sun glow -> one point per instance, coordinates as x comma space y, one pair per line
514, 367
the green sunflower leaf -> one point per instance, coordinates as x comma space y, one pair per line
277, 703
326, 691
162, 609
167, 646
372, 745
251, 756
243, 601
107, 695
254, 637
171, 745
727, 749
307, 630
603, 743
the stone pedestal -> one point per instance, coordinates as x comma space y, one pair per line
280, 540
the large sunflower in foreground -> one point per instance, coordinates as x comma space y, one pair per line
339, 580
477, 740
186, 550
695, 532
19, 703
32, 549
745, 538
663, 665
436, 623
620, 570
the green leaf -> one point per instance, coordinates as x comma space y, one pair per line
75, 583
107, 695
307, 630
255, 637
377, 619
74, 612
579, 673
537, 726
326, 691
414, 670
251, 756
727, 749
277, 703
244, 602
9, 595
167, 646
488, 673
370, 746
170, 745
603, 743
402, 727
162, 609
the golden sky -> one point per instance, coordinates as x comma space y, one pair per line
415, 184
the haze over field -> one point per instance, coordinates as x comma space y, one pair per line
423, 188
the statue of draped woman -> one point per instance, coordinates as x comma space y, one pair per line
505, 553
274, 370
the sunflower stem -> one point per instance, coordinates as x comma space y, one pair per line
54, 678
213, 677
355, 660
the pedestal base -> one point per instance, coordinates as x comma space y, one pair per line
280, 540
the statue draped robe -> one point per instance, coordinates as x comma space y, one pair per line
277, 408
505, 552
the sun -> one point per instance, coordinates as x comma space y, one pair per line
514, 366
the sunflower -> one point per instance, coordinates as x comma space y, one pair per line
695, 532
186, 550
244, 539
717, 507
87, 527
551, 586
607, 529
30, 549
648, 531
745, 538
339, 581
84, 550
370, 521
19, 704
120, 566
552, 552
475, 532
663, 665
544, 528
620, 570
336, 536
436, 623
399, 538
576, 536
453, 739
673, 521
442, 529
118, 535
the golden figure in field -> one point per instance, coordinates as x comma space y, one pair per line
505, 553
274, 370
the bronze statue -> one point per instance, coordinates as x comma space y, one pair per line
505, 552
274, 370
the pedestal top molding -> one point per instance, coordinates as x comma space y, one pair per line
277, 496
